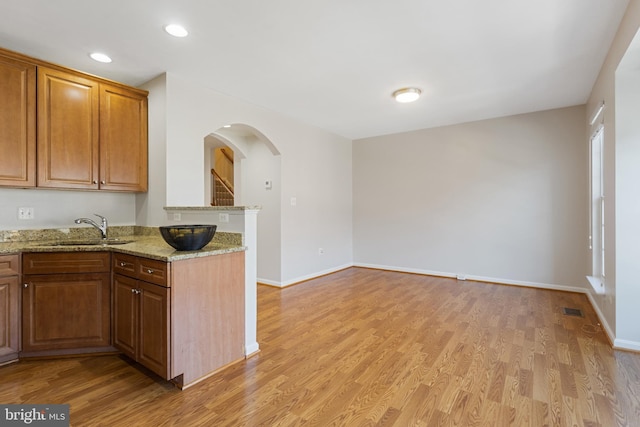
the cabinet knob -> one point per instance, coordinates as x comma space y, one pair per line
149, 271
122, 264
133, 290
26, 285
95, 182
103, 182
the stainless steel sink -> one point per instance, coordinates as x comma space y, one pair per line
96, 242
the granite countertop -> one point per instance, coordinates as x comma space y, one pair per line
142, 241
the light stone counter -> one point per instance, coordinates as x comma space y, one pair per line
145, 242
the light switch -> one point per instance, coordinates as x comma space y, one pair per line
268, 184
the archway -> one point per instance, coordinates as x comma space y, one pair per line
257, 182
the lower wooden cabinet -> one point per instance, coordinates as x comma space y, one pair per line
140, 319
66, 303
9, 307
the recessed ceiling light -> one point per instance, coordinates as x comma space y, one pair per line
100, 57
176, 30
226, 126
407, 94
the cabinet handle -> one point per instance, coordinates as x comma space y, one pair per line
26, 285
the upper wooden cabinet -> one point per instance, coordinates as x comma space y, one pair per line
68, 124
91, 133
123, 139
17, 123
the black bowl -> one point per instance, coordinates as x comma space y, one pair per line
188, 237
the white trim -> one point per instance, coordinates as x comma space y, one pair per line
597, 284
478, 278
268, 282
626, 345
603, 320
597, 113
251, 349
304, 278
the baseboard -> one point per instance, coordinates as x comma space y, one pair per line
303, 278
251, 349
603, 322
477, 278
626, 345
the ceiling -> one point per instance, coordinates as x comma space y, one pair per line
335, 63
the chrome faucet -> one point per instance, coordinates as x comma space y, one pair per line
102, 227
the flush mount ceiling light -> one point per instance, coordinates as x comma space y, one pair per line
100, 57
407, 94
176, 30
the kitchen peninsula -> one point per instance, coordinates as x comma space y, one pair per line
180, 314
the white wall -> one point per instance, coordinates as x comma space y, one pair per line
149, 205
499, 199
315, 168
58, 208
615, 319
260, 165
628, 202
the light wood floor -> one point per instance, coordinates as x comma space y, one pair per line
364, 347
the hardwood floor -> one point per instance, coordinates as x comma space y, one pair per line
364, 347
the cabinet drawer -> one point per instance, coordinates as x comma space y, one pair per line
146, 269
66, 262
153, 271
9, 265
124, 264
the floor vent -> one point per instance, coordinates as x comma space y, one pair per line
572, 312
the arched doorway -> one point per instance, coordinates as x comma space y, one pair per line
256, 180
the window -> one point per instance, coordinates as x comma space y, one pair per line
596, 236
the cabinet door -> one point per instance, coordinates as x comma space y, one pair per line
153, 350
17, 123
66, 311
68, 108
123, 139
125, 315
9, 316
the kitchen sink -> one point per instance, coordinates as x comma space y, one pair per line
96, 242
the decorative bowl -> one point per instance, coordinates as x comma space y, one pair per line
188, 237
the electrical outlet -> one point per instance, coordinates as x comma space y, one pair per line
461, 277
223, 217
177, 216
25, 213
294, 201
320, 251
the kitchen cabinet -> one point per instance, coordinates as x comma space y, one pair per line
141, 311
9, 307
189, 310
66, 303
91, 135
61, 128
17, 123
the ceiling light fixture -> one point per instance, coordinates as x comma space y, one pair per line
100, 57
176, 30
407, 94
